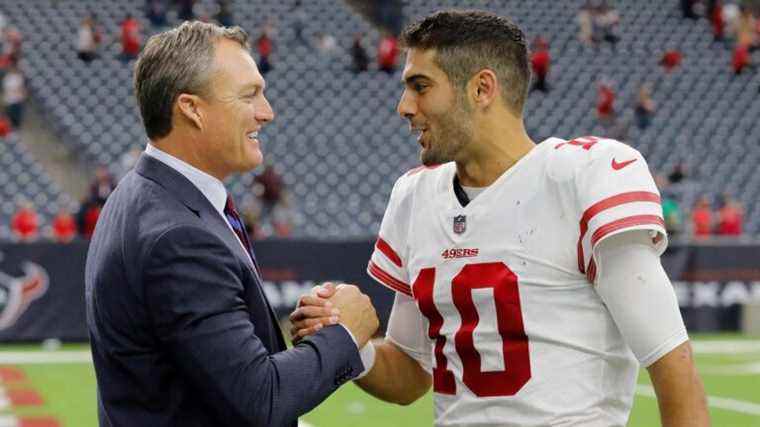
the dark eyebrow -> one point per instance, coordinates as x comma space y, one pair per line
414, 78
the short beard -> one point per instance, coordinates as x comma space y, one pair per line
455, 131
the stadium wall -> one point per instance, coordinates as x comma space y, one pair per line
42, 290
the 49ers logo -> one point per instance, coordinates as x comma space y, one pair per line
460, 253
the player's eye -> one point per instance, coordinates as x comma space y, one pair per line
419, 87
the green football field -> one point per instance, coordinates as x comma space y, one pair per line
729, 364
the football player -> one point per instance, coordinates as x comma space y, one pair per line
528, 283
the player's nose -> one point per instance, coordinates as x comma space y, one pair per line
406, 107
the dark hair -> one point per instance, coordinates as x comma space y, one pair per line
467, 41
174, 62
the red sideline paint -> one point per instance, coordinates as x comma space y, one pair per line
9, 374
25, 397
38, 422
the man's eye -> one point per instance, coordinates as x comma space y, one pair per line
419, 87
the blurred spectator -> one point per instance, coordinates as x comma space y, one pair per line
387, 52
185, 10
64, 227
730, 217
282, 218
102, 185
223, 13
605, 103
741, 59
671, 210
264, 47
359, 57
14, 96
5, 125
747, 29
746, 40
268, 187
702, 218
130, 38
678, 174
88, 39
250, 213
87, 218
730, 15
585, 21
644, 107
11, 49
298, 22
155, 11
326, 44
687, 8
540, 61
608, 20
715, 13
25, 222
671, 59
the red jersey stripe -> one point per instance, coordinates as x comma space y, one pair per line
388, 251
625, 223
383, 277
610, 202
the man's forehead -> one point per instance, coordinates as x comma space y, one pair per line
421, 63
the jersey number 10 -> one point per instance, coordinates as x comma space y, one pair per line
514, 342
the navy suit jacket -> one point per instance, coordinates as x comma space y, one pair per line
181, 332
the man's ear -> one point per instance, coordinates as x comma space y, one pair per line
189, 106
484, 88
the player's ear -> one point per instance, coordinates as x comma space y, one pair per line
484, 88
188, 106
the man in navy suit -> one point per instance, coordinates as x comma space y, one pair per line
181, 332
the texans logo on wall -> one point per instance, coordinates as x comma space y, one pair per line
17, 293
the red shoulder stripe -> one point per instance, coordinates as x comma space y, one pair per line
608, 203
388, 251
383, 277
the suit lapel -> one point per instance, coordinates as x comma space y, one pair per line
179, 186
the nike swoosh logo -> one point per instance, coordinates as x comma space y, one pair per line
617, 166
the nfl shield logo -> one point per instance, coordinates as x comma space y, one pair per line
460, 224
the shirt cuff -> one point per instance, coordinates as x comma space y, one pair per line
366, 353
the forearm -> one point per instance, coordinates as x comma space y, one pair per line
395, 376
680, 392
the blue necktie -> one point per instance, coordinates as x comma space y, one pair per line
239, 228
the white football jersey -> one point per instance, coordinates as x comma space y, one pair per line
519, 335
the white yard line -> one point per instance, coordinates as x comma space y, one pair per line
726, 346
44, 357
713, 401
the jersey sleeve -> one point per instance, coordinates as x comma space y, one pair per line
615, 193
387, 265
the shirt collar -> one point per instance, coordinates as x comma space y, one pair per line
210, 187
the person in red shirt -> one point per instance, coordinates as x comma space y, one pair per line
670, 60
64, 227
730, 217
540, 61
25, 223
265, 46
5, 125
130, 38
701, 218
605, 104
387, 52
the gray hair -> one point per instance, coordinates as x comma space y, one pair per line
174, 62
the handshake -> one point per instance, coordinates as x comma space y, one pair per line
330, 304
